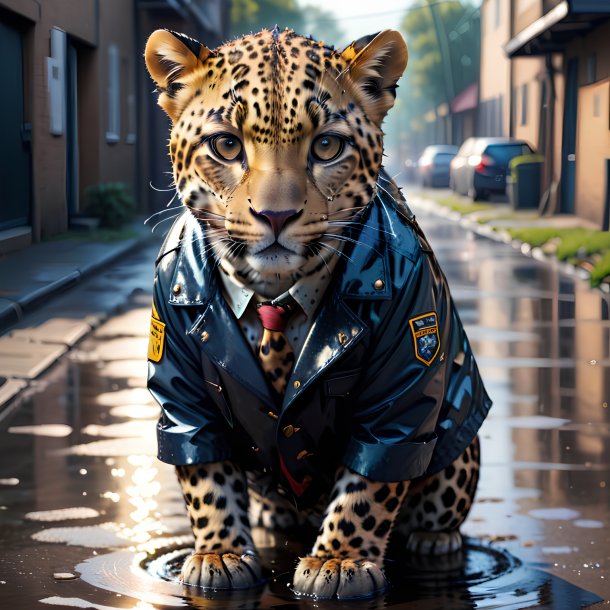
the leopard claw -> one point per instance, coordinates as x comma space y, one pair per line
343, 579
221, 571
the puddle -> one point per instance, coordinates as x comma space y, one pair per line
555, 514
543, 495
484, 577
588, 523
63, 514
51, 430
77, 602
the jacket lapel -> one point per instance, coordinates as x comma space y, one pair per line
224, 343
362, 274
335, 330
194, 284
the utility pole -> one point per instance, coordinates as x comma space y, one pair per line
442, 38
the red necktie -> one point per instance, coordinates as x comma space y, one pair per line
275, 353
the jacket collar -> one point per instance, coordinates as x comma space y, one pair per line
308, 291
364, 273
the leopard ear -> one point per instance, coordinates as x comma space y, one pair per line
375, 63
170, 57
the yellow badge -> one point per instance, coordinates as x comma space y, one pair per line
156, 341
426, 339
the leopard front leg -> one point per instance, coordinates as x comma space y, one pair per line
348, 554
216, 497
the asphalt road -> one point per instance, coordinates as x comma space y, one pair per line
90, 519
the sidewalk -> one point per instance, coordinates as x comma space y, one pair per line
533, 235
29, 278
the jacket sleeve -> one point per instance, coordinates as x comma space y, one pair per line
402, 389
191, 429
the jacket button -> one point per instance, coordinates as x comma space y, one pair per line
303, 454
205, 335
379, 284
288, 430
272, 415
177, 289
296, 385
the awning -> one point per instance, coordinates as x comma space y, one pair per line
551, 32
466, 99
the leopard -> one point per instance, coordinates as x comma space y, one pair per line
276, 145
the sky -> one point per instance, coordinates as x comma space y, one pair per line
358, 17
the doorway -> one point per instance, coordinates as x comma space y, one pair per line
15, 152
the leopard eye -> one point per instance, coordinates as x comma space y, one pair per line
327, 147
226, 147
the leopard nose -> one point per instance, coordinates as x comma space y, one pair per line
277, 220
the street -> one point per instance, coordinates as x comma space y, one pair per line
85, 505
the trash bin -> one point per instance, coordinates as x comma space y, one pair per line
524, 181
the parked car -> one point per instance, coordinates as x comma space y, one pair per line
433, 165
480, 166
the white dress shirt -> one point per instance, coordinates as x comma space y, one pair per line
307, 292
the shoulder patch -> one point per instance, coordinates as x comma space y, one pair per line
156, 340
426, 340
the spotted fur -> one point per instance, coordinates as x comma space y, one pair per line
216, 497
275, 92
276, 146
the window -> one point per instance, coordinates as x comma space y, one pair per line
113, 134
131, 119
524, 101
597, 105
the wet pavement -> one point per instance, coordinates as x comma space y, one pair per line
90, 519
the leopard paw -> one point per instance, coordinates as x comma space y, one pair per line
221, 571
341, 578
434, 544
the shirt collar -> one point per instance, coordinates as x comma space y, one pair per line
307, 291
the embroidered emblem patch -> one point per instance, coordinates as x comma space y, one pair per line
156, 340
425, 337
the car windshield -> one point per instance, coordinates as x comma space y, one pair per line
503, 153
443, 158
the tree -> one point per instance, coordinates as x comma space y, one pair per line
322, 25
252, 15
444, 42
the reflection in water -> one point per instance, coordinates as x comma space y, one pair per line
543, 346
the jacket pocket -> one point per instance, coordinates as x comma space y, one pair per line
342, 384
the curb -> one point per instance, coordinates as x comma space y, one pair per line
502, 236
12, 311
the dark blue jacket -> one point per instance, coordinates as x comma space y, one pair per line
386, 382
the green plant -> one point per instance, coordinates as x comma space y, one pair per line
535, 236
601, 269
111, 202
458, 204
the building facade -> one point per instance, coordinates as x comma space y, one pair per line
545, 77
81, 110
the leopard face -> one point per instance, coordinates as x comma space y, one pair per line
276, 142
